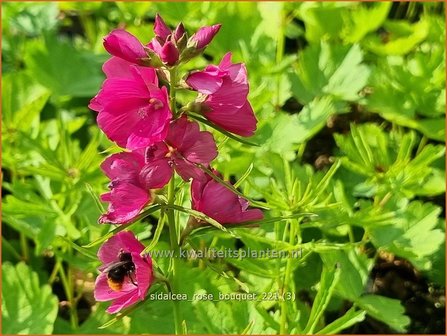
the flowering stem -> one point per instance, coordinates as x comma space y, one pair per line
171, 219
287, 278
173, 81
174, 261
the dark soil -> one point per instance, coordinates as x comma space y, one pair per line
424, 302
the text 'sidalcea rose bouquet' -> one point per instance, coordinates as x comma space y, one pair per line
137, 110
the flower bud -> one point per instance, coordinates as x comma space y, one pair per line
203, 37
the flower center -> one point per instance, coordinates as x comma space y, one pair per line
143, 112
171, 151
156, 103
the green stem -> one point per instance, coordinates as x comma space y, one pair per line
67, 284
279, 56
287, 278
171, 219
7, 245
175, 260
173, 81
53, 274
24, 247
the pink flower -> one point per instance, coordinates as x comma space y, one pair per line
125, 275
133, 111
220, 203
130, 186
226, 90
123, 44
184, 147
204, 36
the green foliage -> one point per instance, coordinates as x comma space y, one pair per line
33, 308
415, 237
388, 161
333, 70
386, 310
48, 63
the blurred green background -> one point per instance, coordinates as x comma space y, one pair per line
363, 83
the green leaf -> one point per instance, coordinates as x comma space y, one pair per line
351, 317
78, 248
291, 130
31, 19
384, 309
63, 69
157, 234
354, 269
323, 20
201, 216
403, 37
27, 307
415, 237
333, 70
386, 159
329, 279
23, 99
364, 20
271, 13
397, 84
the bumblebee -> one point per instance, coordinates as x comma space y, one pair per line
118, 271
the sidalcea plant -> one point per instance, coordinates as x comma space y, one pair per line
137, 110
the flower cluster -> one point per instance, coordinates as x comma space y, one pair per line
137, 110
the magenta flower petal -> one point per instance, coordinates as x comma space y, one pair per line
195, 145
131, 183
123, 166
184, 146
117, 67
118, 127
192, 146
122, 44
169, 53
220, 203
122, 302
179, 31
143, 273
242, 122
156, 174
95, 105
204, 82
231, 93
204, 36
226, 89
187, 170
133, 111
136, 284
126, 202
225, 63
161, 30
104, 293
155, 45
